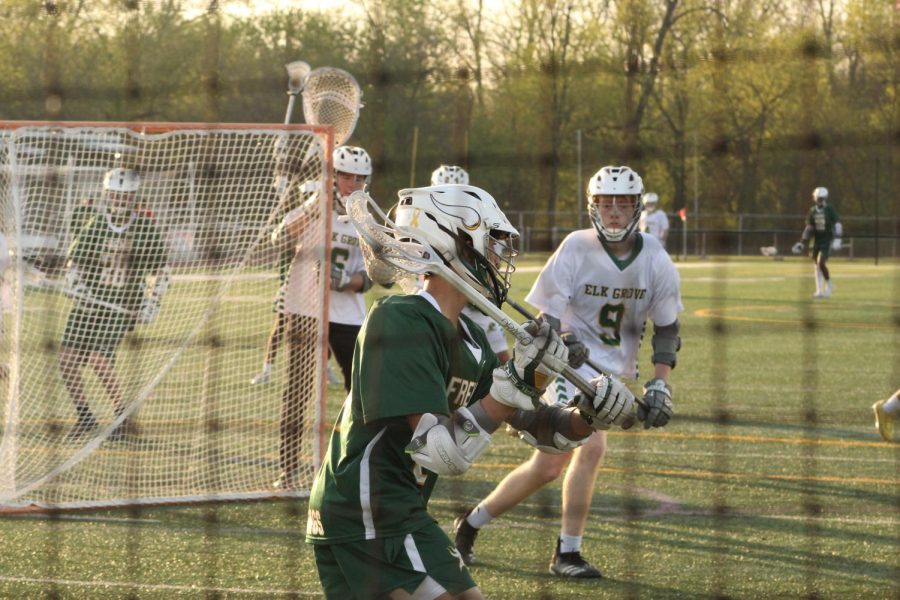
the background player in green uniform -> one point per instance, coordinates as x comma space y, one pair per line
426, 394
109, 262
823, 227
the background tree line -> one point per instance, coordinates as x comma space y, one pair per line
748, 104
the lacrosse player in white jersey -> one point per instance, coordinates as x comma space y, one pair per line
654, 221
600, 287
496, 338
346, 307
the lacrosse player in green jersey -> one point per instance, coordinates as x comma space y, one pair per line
426, 394
116, 276
823, 227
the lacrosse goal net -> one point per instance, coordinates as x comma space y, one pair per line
211, 196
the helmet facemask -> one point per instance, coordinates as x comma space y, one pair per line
349, 160
120, 188
613, 183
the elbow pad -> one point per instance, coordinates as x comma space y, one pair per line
666, 342
548, 428
367, 283
448, 445
838, 230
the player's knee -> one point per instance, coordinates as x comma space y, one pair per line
594, 450
548, 467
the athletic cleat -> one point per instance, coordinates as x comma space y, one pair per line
570, 564
828, 290
884, 422
818, 295
84, 426
465, 538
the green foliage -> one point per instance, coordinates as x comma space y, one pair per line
763, 100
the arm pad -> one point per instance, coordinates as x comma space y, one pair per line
548, 428
666, 342
448, 445
367, 282
838, 230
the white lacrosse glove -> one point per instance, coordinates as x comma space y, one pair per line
149, 310
521, 381
656, 409
578, 352
836, 244
612, 404
74, 285
797, 248
340, 278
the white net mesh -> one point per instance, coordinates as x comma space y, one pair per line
332, 97
131, 382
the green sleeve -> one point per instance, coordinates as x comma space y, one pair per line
401, 365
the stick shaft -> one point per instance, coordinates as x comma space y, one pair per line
507, 323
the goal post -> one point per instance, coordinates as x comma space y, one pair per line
134, 321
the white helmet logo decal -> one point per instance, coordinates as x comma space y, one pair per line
477, 217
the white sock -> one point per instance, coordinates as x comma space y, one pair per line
569, 543
892, 405
479, 517
819, 286
267, 367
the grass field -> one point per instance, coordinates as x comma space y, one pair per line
769, 482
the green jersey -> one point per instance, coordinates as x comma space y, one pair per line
822, 221
409, 359
114, 261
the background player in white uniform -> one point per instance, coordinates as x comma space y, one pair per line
496, 337
654, 221
601, 284
346, 306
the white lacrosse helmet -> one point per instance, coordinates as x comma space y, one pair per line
353, 160
121, 180
464, 225
650, 200
449, 174
820, 193
614, 181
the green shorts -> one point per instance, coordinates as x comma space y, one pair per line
375, 568
821, 249
89, 329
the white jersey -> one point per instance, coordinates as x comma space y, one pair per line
655, 223
347, 308
495, 335
605, 301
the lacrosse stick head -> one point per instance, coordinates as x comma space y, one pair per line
388, 260
446, 227
297, 72
332, 96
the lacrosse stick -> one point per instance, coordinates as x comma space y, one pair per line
524, 312
383, 252
38, 280
332, 96
297, 72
